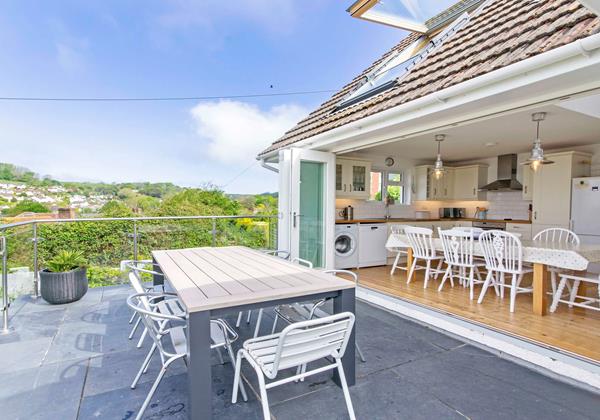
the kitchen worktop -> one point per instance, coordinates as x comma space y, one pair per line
408, 220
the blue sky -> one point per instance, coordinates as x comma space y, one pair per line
152, 48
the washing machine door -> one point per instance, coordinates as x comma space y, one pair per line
345, 244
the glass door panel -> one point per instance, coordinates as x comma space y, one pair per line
311, 223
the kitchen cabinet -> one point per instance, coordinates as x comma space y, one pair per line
527, 183
467, 182
522, 229
552, 188
441, 188
421, 184
352, 178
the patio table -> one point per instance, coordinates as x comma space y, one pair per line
541, 254
212, 282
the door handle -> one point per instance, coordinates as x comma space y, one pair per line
474, 191
344, 187
350, 187
295, 217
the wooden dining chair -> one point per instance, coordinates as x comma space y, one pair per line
421, 242
503, 255
458, 254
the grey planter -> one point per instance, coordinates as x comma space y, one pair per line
57, 288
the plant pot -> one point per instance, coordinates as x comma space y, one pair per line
57, 288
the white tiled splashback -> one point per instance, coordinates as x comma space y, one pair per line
501, 205
507, 205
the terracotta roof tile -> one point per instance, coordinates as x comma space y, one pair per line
502, 33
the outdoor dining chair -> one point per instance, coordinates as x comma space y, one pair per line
503, 255
557, 236
293, 348
161, 323
458, 254
298, 312
421, 242
278, 253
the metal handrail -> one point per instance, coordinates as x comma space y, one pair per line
135, 236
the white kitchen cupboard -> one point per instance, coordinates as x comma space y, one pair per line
352, 178
552, 188
442, 188
467, 182
523, 229
420, 188
527, 183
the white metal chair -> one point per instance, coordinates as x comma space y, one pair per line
574, 299
503, 254
458, 254
421, 242
296, 346
298, 312
160, 323
398, 230
278, 253
557, 236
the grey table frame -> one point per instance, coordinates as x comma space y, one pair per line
199, 352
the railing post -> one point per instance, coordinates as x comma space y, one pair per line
135, 242
5, 303
36, 275
214, 232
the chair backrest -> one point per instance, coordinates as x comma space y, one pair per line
458, 246
421, 241
301, 261
475, 230
502, 251
348, 273
557, 235
397, 229
308, 341
278, 253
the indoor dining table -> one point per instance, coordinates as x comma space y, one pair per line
214, 282
542, 254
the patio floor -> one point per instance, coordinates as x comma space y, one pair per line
74, 361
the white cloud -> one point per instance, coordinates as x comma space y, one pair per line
235, 132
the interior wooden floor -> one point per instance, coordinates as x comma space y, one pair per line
575, 330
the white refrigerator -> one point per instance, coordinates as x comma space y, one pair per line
585, 209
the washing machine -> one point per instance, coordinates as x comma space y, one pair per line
346, 246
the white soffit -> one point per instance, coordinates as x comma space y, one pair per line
588, 105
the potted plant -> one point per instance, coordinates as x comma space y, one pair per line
65, 278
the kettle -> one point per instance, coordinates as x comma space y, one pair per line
347, 213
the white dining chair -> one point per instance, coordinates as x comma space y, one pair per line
421, 242
557, 236
277, 253
574, 299
293, 348
458, 254
298, 312
398, 230
503, 255
160, 323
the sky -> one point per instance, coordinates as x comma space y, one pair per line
170, 48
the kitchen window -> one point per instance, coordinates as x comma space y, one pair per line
387, 184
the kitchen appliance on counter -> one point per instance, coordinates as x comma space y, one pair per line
346, 246
452, 213
347, 213
585, 208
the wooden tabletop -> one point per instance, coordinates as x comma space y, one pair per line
215, 278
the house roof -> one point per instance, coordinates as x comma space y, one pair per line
503, 32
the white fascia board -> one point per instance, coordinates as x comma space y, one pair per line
579, 54
593, 5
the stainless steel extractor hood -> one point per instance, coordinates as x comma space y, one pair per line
507, 175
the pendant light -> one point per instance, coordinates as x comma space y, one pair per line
438, 167
537, 153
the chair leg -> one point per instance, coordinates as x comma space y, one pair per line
263, 395
558, 294
258, 321
236, 377
233, 363
142, 338
135, 326
438, 269
144, 366
218, 349
427, 273
360, 354
274, 324
249, 315
574, 291
395, 264
342, 375
553, 281
133, 315
412, 270
471, 283
239, 319
446, 274
513, 292
486, 284
162, 372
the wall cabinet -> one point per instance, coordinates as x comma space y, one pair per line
552, 188
457, 183
352, 178
527, 183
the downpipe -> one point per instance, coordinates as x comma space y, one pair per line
5, 302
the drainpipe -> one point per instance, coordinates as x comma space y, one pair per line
269, 167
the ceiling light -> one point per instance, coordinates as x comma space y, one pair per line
491, 144
537, 159
438, 167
